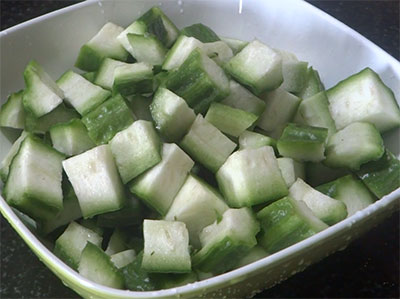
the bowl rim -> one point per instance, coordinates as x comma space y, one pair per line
62, 270
46, 256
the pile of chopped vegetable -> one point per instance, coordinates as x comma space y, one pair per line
177, 155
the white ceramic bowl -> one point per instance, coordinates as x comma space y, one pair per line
334, 49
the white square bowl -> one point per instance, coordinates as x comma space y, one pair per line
334, 49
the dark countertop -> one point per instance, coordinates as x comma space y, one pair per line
368, 268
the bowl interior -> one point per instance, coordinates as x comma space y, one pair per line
329, 46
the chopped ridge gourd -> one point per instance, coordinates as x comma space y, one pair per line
224, 242
207, 145
303, 143
294, 75
171, 114
146, 48
254, 140
160, 25
103, 44
71, 210
123, 258
281, 106
34, 180
12, 113
97, 266
235, 44
137, 27
286, 222
43, 124
136, 78
140, 106
70, 244
117, 243
41, 94
166, 247
353, 146
291, 170
71, 138
250, 177
136, 149
382, 176
229, 120
5, 163
265, 135
199, 80
257, 66
218, 51
240, 98
352, 192
96, 182
180, 51
81, 93
363, 97
197, 204
327, 209
138, 279
158, 186
131, 214
314, 111
108, 119
255, 254
312, 85
105, 74
201, 32
90, 76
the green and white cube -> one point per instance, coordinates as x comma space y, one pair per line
197, 204
69, 246
71, 138
171, 114
34, 180
41, 94
207, 145
158, 186
225, 241
356, 144
136, 149
96, 181
363, 97
327, 209
103, 44
166, 247
250, 177
81, 93
257, 66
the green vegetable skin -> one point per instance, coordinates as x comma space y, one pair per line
201, 32
199, 81
382, 176
303, 143
107, 119
217, 101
